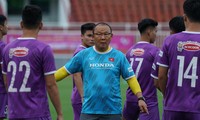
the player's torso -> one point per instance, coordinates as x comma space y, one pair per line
183, 82
25, 77
141, 57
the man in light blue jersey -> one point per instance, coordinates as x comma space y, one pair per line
101, 67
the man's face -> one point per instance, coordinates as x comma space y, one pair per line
102, 37
152, 35
87, 38
4, 28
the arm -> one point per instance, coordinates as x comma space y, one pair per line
61, 74
5, 81
162, 78
52, 90
135, 87
156, 84
79, 83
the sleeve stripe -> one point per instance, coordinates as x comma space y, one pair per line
129, 77
49, 73
4, 72
163, 65
67, 70
153, 76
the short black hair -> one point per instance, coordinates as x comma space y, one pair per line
31, 16
87, 26
103, 23
176, 24
146, 23
191, 8
2, 19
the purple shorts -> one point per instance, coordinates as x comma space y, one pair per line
3, 105
77, 111
131, 111
175, 115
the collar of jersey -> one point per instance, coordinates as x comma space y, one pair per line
142, 42
26, 38
192, 32
107, 51
82, 46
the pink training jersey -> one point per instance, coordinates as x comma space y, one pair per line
141, 57
26, 62
181, 54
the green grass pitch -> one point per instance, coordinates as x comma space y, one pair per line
65, 89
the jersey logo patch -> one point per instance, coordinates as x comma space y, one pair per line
188, 46
137, 52
18, 52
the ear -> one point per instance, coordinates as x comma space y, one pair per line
185, 18
21, 25
40, 26
111, 34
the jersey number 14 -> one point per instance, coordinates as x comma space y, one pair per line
192, 67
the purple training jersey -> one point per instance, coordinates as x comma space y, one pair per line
26, 62
2, 86
76, 98
141, 57
155, 66
181, 54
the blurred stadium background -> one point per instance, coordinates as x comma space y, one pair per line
63, 18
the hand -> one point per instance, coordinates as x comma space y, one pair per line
60, 117
143, 106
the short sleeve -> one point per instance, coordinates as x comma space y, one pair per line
48, 61
126, 69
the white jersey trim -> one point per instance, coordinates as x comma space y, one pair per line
163, 65
25, 38
49, 73
191, 32
153, 76
102, 52
129, 77
4, 72
67, 70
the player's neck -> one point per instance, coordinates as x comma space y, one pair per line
106, 50
194, 27
144, 38
30, 33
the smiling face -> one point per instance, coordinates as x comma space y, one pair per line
102, 37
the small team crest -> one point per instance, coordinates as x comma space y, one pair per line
18, 52
188, 46
111, 59
137, 52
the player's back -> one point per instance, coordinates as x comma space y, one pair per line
181, 53
26, 62
141, 57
